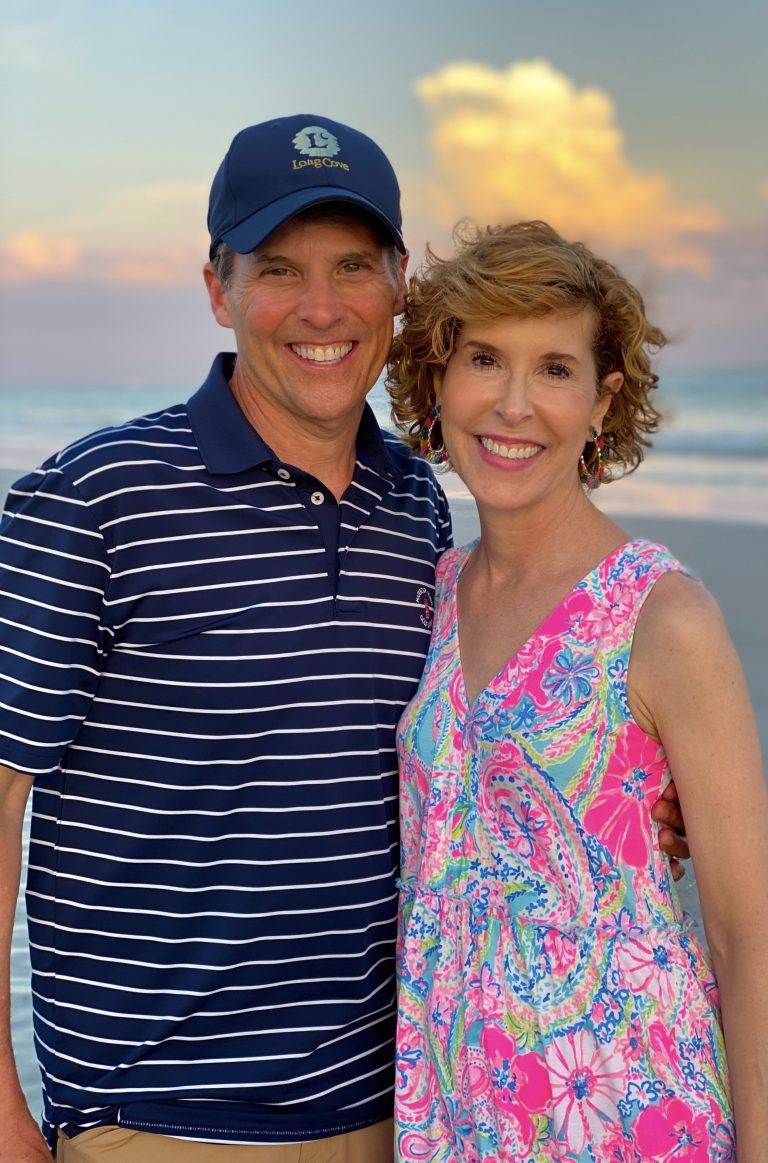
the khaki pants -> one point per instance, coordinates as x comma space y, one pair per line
120, 1145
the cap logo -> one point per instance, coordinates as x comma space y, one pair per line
314, 141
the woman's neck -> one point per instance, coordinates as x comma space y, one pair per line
543, 539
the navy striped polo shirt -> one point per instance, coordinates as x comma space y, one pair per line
203, 660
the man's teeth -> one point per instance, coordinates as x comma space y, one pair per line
510, 451
325, 354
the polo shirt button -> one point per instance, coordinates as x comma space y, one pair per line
317, 498
284, 474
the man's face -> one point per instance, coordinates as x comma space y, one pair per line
313, 312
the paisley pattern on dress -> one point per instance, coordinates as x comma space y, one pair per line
554, 1003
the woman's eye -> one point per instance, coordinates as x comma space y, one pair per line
483, 359
558, 371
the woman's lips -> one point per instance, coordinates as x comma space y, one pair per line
508, 454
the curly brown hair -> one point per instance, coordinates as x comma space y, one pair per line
522, 270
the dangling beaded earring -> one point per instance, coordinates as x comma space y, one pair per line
591, 475
431, 445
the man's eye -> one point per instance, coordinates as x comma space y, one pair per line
351, 268
276, 272
483, 359
558, 371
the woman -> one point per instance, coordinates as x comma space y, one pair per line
554, 1003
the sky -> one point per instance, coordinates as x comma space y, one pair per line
640, 131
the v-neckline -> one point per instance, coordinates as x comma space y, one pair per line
470, 705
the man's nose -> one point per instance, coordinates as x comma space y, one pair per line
320, 305
514, 403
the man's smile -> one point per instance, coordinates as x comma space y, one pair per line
323, 353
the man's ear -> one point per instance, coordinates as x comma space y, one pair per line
217, 296
402, 284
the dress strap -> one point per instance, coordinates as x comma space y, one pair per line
634, 574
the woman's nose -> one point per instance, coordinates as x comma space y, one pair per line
514, 403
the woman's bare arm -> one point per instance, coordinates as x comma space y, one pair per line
687, 686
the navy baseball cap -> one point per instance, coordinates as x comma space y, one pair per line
276, 169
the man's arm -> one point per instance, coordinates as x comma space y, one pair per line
672, 838
20, 1138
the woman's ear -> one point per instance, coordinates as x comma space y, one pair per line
437, 383
609, 387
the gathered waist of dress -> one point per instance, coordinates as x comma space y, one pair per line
511, 908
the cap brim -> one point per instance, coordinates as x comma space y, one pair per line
250, 233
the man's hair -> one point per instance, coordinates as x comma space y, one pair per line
520, 271
334, 213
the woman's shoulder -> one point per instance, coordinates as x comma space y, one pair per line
679, 611
643, 556
450, 564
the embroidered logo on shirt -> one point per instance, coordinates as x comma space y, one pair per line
424, 598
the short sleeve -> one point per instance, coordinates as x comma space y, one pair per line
53, 577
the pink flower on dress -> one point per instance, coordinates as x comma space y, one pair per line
587, 1084
650, 969
620, 814
673, 1132
520, 1081
561, 949
618, 1147
608, 617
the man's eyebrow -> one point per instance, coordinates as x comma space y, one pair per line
261, 256
284, 260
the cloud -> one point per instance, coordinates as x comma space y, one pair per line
29, 257
525, 142
142, 235
151, 234
39, 258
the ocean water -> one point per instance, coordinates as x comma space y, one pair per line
710, 459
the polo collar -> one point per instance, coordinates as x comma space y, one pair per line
227, 440
229, 443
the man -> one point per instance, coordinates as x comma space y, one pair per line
213, 618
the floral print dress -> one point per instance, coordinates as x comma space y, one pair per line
554, 1003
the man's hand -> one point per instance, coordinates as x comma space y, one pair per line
672, 841
21, 1141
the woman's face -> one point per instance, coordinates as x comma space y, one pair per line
518, 398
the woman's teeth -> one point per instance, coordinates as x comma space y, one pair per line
510, 451
328, 353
